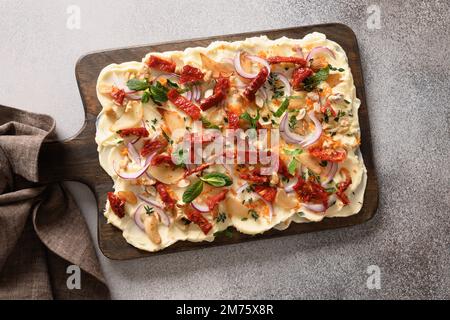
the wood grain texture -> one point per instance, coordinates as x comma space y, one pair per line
77, 158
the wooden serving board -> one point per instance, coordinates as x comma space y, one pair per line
77, 158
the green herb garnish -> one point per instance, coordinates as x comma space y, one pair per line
323, 163
145, 96
282, 108
167, 137
253, 121
294, 152
311, 82
336, 69
253, 214
278, 91
193, 191
148, 210
221, 217
207, 124
217, 179
137, 85
292, 121
292, 166
172, 84
228, 232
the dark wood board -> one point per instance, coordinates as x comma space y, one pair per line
77, 159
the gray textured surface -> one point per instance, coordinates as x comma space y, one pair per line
406, 66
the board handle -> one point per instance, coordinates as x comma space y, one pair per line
73, 159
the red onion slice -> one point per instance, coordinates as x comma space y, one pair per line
261, 61
316, 207
188, 95
289, 187
153, 202
239, 69
197, 93
137, 174
167, 76
200, 207
320, 49
134, 155
133, 142
242, 72
263, 93
134, 96
299, 51
227, 60
138, 217
286, 84
287, 134
332, 168
121, 83
242, 188
162, 216
317, 130
267, 203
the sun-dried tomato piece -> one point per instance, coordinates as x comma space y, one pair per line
118, 95
164, 193
328, 154
268, 193
327, 106
138, 132
200, 168
117, 204
311, 191
212, 201
233, 120
299, 75
220, 92
254, 176
162, 158
196, 217
161, 64
154, 145
255, 84
280, 59
342, 186
190, 74
184, 104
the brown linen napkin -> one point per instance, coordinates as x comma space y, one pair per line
42, 231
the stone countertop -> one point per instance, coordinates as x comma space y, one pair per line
406, 69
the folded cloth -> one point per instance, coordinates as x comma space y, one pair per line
42, 231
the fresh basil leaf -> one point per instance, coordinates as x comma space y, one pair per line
158, 93
292, 166
193, 191
282, 108
217, 179
137, 85
145, 97
311, 82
